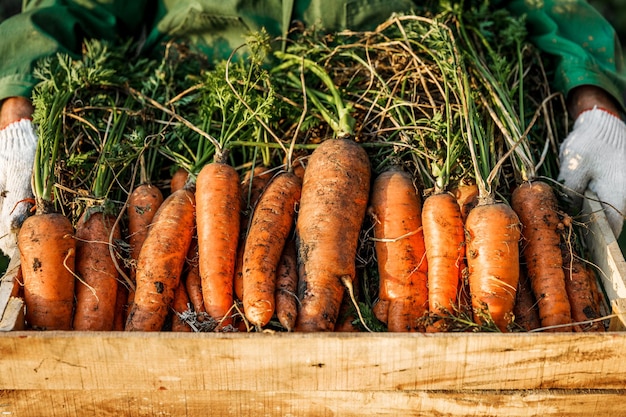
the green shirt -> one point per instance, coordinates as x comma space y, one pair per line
582, 45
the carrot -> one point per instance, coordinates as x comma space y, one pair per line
121, 308
272, 221
180, 304
218, 199
346, 318
582, 289
193, 283
467, 197
332, 208
525, 309
444, 237
381, 310
143, 203
492, 238
286, 286
252, 186
179, 179
96, 289
161, 261
396, 209
536, 205
47, 252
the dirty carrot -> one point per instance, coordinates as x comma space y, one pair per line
272, 221
218, 200
525, 309
161, 261
396, 210
47, 252
180, 305
179, 179
143, 204
98, 277
334, 199
582, 290
252, 186
193, 283
467, 197
444, 237
492, 238
121, 308
286, 286
536, 205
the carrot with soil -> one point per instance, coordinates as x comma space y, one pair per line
97, 286
180, 305
254, 181
143, 204
286, 286
582, 292
272, 221
47, 252
525, 310
536, 205
161, 261
334, 199
396, 211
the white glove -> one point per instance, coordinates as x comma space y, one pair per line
594, 156
18, 143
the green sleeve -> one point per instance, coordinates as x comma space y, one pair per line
47, 27
583, 45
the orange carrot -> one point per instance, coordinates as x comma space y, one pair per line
525, 309
161, 261
346, 318
252, 186
381, 310
47, 252
179, 179
396, 209
96, 289
444, 236
286, 286
218, 199
143, 203
272, 221
536, 205
467, 197
180, 305
492, 238
193, 283
121, 308
582, 289
332, 209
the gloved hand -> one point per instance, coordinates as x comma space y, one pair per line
18, 143
594, 156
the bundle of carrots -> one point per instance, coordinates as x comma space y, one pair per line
399, 215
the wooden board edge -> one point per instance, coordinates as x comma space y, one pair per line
8, 290
189, 403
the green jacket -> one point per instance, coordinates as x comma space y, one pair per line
584, 46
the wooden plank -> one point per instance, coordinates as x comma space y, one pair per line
9, 286
190, 403
308, 362
13, 317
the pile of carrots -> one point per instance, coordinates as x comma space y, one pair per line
308, 197
438, 266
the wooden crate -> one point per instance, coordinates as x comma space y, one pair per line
201, 374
